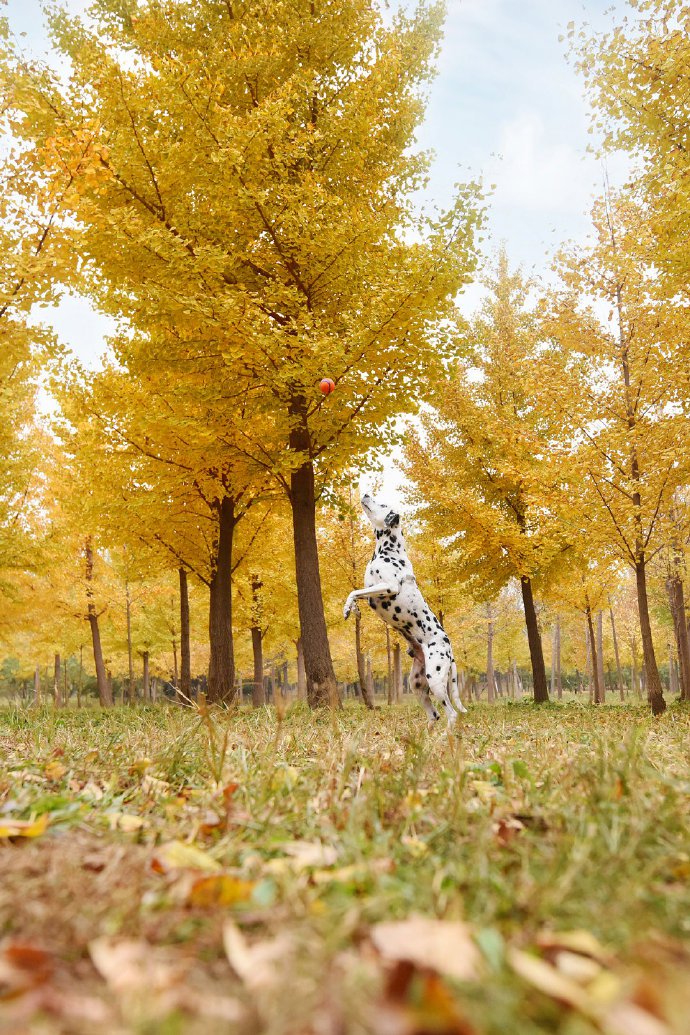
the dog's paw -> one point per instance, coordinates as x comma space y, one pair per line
350, 608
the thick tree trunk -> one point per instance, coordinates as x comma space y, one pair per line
258, 689
619, 673
184, 691
221, 670
145, 676
594, 657
655, 694
321, 684
301, 673
600, 656
536, 653
105, 693
676, 600
56, 684
490, 676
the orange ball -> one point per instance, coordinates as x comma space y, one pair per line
327, 385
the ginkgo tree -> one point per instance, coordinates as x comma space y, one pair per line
482, 468
247, 209
619, 388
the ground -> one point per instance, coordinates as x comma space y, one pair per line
172, 871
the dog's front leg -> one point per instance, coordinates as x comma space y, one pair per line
381, 589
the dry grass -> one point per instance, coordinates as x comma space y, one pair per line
531, 821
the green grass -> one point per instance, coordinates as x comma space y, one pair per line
529, 821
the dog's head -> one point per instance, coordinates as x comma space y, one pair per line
381, 517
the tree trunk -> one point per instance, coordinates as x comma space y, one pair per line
221, 670
600, 656
56, 685
490, 677
594, 656
588, 664
389, 659
676, 600
655, 694
81, 674
146, 681
536, 653
397, 673
321, 683
105, 694
184, 691
37, 685
556, 684
301, 673
258, 689
130, 659
619, 673
369, 699
361, 663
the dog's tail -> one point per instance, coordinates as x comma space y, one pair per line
454, 688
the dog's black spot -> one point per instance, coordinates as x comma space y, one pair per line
438, 668
372, 604
386, 604
398, 610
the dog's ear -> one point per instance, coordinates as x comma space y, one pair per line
391, 520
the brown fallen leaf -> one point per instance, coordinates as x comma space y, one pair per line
630, 1019
219, 889
132, 966
418, 1003
178, 855
442, 945
22, 967
24, 828
54, 770
582, 942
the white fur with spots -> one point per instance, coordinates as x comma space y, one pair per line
392, 591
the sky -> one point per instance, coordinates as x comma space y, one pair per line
506, 105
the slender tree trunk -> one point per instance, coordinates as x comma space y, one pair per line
368, 699
221, 671
600, 656
105, 694
258, 689
361, 663
37, 685
321, 683
588, 664
556, 682
81, 674
490, 676
184, 690
130, 659
536, 653
397, 673
301, 673
389, 659
146, 680
655, 694
619, 673
676, 600
594, 656
56, 684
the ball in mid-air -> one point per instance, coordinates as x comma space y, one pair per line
327, 385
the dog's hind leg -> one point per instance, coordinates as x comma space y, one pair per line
438, 674
454, 689
421, 687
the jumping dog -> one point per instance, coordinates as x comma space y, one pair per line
392, 590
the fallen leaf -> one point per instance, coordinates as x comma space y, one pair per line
129, 965
630, 1019
256, 965
582, 969
154, 787
442, 945
582, 942
544, 977
55, 770
126, 821
22, 967
24, 828
219, 890
309, 853
177, 855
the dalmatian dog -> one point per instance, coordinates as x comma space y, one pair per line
392, 591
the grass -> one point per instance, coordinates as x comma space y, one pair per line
310, 830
